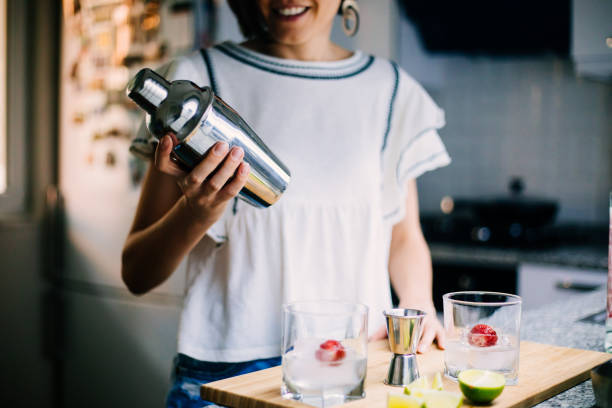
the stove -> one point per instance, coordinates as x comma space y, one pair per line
467, 230
473, 242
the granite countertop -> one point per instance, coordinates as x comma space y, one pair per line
579, 256
560, 324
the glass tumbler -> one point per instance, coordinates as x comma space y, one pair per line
483, 332
324, 352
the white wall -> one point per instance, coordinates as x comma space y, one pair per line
378, 31
517, 116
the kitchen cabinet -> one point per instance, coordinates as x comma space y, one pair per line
460, 276
117, 350
540, 284
592, 38
540, 275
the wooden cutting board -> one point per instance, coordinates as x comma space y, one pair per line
544, 371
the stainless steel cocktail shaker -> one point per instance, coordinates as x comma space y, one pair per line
198, 118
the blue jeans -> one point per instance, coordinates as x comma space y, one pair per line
188, 374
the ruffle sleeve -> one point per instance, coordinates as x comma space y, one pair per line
411, 145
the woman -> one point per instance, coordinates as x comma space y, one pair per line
354, 130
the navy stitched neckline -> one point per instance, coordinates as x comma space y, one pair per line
360, 64
391, 103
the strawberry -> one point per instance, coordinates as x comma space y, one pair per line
482, 335
330, 350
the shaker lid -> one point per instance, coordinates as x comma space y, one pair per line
148, 89
175, 106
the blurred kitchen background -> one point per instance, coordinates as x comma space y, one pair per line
523, 208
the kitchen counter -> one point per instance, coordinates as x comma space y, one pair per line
559, 324
579, 256
455, 238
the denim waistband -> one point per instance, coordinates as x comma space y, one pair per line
207, 371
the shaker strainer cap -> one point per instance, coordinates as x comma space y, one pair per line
148, 90
175, 106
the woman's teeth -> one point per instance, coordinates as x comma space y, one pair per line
291, 11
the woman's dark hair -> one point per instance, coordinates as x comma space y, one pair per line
249, 19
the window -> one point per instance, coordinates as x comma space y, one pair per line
3, 141
13, 87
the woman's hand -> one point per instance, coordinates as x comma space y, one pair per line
218, 178
432, 330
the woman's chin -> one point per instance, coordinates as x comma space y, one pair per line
289, 38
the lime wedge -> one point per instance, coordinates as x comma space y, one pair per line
417, 386
442, 399
481, 385
404, 401
416, 392
436, 384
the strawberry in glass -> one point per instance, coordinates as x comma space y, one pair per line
482, 335
330, 350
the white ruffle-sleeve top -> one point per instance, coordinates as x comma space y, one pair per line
351, 132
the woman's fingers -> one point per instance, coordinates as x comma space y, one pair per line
218, 177
236, 184
162, 158
441, 338
429, 334
432, 329
192, 183
216, 181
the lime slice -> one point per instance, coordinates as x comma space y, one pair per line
404, 401
436, 384
417, 386
442, 399
416, 392
481, 385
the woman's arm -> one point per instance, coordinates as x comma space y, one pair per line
410, 269
175, 211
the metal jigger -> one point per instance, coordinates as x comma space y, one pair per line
404, 330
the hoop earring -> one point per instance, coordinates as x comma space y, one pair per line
350, 17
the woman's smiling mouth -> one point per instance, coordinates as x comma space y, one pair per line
290, 13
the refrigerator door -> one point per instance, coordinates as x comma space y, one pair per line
117, 351
98, 218
98, 178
